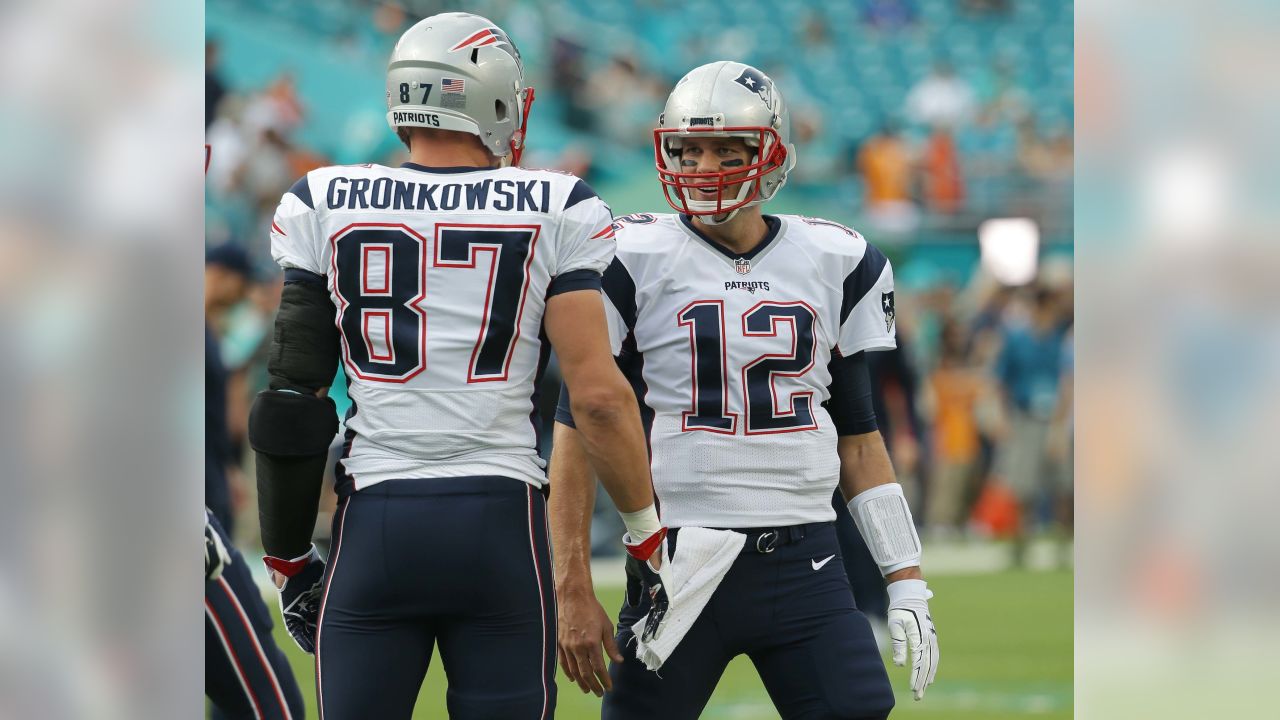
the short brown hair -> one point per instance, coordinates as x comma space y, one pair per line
406, 134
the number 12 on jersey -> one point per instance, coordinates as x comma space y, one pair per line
764, 414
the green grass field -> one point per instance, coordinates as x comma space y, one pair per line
1005, 641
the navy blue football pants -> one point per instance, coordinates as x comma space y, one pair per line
245, 674
463, 563
813, 649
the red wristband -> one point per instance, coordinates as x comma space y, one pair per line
645, 549
288, 568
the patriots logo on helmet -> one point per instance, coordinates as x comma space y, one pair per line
752, 80
886, 304
490, 36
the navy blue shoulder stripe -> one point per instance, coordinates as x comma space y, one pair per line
621, 290
859, 282
574, 280
581, 191
298, 275
303, 191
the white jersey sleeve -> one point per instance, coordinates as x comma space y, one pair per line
866, 311
295, 230
586, 239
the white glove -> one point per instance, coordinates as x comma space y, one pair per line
911, 628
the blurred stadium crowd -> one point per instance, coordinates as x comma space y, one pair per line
914, 121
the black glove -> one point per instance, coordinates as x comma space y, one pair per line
642, 578
300, 596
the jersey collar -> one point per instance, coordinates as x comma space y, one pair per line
454, 169
774, 224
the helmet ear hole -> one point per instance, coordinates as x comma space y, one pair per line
475, 54
500, 109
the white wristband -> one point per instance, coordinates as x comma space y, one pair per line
641, 523
884, 520
908, 590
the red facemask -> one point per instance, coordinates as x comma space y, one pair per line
517, 140
683, 182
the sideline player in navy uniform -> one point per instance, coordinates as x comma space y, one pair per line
245, 674
744, 336
440, 286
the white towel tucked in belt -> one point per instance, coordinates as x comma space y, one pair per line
702, 558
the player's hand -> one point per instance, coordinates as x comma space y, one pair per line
301, 584
583, 628
216, 556
911, 632
647, 573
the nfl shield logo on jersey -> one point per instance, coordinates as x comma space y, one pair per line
886, 304
742, 265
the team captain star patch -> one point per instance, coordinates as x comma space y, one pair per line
886, 304
742, 265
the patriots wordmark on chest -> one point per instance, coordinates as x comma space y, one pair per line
742, 265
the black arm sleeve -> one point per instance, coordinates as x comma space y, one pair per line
303, 359
850, 404
304, 349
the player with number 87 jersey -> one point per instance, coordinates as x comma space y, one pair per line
440, 277
439, 287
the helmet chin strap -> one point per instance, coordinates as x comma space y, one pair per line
718, 219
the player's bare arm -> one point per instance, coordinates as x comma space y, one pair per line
584, 627
609, 426
603, 404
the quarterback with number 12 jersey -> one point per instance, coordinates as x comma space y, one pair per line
729, 354
440, 278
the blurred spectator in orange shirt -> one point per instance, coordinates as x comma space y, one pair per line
943, 180
885, 164
954, 391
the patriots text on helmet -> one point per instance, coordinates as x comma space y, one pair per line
422, 118
387, 194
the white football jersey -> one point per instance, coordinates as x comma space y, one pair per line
440, 278
729, 356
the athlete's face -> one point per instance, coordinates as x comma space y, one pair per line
705, 155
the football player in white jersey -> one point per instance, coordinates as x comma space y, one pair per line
744, 336
440, 287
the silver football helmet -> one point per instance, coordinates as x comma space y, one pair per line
458, 71
724, 99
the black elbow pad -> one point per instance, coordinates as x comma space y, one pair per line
289, 424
